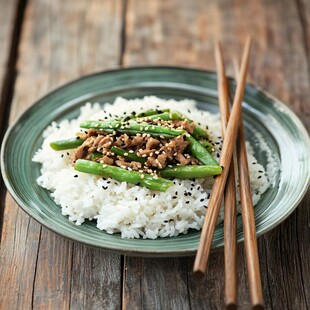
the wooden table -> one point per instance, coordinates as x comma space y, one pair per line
46, 43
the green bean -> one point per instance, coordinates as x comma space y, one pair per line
198, 132
166, 116
199, 152
127, 154
133, 128
190, 172
150, 112
208, 145
66, 144
123, 175
95, 155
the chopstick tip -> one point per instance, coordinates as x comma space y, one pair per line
231, 306
198, 274
258, 307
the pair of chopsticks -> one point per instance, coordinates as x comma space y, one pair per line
232, 129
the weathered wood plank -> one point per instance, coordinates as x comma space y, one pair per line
40, 269
8, 15
96, 279
183, 33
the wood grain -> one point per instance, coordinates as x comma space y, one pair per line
9, 19
248, 220
60, 41
218, 187
230, 203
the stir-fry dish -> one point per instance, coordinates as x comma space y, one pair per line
147, 149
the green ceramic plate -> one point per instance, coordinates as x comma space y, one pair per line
281, 129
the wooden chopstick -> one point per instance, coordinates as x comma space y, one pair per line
225, 159
230, 205
248, 220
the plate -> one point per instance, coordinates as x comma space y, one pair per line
264, 115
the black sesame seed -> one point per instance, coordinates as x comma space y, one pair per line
176, 193
260, 171
202, 199
75, 175
174, 197
62, 155
154, 195
136, 199
259, 177
68, 153
187, 202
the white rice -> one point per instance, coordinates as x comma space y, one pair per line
133, 211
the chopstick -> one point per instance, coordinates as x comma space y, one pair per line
248, 221
225, 159
230, 206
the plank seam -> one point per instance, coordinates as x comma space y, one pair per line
123, 33
300, 265
35, 269
267, 274
188, 272
8, 86
304, 26
122, 277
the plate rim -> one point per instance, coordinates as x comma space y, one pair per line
140, 252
